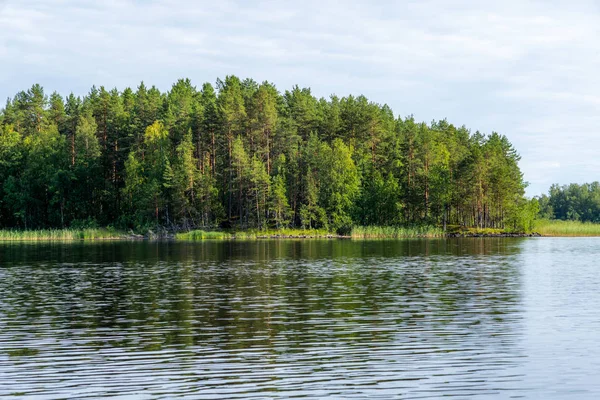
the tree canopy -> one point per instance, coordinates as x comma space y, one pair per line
572, 202
243, 154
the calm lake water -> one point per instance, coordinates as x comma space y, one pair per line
485, 318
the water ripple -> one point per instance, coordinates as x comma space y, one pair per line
266, 320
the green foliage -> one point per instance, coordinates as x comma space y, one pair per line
523, 215
340, 184
472, 231
394, 232
279, 202
379, 203
572, 202
48, 235
241, 155
259, 190
546, 227
199, 235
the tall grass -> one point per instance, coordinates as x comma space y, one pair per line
197, 235
202, 235
566, 228
470, 231
283, 233
59, 234
365, 232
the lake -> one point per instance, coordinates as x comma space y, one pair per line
479, 317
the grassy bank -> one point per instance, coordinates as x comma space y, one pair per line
252, 234
566, 228
392, 232
48, 235
202, 235
365, 232
543, 227
459, 230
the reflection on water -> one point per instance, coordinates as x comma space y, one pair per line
418, 318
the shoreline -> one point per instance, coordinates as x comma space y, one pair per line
543, 228
39, 236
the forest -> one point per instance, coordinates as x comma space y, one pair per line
240, 155
573, 202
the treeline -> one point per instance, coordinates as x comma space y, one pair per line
572, 202
242, 155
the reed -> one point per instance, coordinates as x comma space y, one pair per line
547, 227
282, 233
49, 235
392, 232
470, 231
197, 235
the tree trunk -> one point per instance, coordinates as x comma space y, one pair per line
229, 144
426, 187
267, 131
73, 149
213, 155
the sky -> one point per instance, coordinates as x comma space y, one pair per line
527, 69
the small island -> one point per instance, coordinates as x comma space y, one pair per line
244, 160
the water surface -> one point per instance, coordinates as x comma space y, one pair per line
485, 318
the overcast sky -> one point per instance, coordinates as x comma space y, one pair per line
526, 69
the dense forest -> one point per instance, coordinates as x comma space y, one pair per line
244, 155
572, 202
